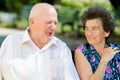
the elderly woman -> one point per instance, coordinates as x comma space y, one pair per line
98, 59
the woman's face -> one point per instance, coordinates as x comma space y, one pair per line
94, 31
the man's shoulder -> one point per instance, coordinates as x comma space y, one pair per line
58, 40
14, 36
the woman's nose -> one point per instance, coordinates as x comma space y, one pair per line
89, 33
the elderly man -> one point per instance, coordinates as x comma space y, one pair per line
36, 54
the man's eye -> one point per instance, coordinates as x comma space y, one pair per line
94, 28
49, 22
55, 23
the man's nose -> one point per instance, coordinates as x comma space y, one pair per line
53, 26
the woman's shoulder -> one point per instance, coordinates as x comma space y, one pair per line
83, 46
113, 44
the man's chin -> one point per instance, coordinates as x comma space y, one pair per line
49, 38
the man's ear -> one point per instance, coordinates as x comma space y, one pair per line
31, 21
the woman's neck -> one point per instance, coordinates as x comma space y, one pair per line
99, 48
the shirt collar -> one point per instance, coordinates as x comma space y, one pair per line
27, 38
53, 41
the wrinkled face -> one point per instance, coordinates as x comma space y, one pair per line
94, 31
45, 25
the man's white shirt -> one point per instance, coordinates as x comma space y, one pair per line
21, 59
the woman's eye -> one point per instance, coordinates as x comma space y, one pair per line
86, 28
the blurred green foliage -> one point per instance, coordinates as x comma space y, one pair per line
19, 7
16, 5
82, 5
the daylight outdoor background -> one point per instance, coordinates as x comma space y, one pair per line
14, 15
